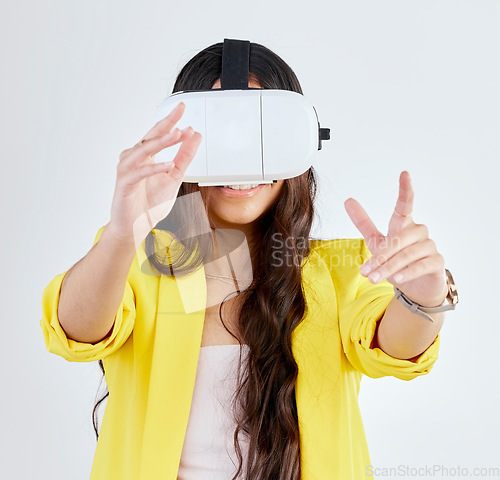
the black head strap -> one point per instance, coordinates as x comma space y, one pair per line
235, 64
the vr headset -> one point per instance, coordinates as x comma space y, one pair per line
249, 136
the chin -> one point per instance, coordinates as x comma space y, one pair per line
234, 221
229, 212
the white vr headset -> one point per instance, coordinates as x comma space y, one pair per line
248, 135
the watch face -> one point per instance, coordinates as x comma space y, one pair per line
452, 289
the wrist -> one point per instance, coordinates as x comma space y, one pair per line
435, 300
432, 302
448, 303
119, 241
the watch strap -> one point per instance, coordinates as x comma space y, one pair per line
419, 309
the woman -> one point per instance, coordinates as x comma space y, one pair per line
285, 350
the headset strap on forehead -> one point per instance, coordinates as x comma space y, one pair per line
235, 64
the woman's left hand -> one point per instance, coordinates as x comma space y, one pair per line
406, 256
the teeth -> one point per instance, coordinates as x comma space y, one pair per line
241, 187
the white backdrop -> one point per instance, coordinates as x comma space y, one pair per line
402, 85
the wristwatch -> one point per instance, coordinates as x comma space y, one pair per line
449, 302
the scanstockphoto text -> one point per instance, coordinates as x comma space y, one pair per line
283, 249
432, 471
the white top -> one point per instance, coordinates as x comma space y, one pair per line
208, 452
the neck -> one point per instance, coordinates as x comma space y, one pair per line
251, 232
225, 243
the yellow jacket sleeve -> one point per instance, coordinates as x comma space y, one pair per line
361, 305
58, 343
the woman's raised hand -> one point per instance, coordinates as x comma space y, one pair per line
406, 256
145, 191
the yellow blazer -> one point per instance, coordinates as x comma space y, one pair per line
151, 358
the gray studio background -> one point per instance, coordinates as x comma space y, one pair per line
402, 84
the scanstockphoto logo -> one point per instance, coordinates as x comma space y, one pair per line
432, 471
183, 218
283, 249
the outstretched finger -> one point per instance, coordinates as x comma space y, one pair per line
402, 215
145, 150
363, 223
404, 204
166, 124
186, 153
133, 177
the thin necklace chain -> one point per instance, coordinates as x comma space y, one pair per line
221, 278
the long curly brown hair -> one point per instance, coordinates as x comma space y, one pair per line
274, 304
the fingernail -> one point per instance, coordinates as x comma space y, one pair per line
365, 269
374, 277
398, 277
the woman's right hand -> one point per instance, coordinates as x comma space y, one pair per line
145, 191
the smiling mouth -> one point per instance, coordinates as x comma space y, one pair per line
241, 187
